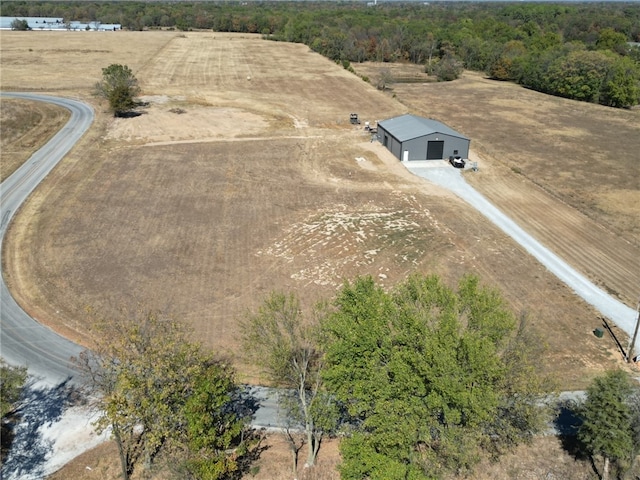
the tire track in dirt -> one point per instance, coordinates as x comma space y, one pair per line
155, 73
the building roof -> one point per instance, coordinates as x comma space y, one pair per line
406, 127
57, 23
44, 23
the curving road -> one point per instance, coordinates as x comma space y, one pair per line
23, 341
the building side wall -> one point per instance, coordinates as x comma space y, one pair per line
417, 147
390, 142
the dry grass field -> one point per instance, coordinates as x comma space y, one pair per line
24, 127
243, 175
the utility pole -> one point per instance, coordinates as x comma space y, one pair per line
635, 334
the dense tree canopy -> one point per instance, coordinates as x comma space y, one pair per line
12, 379
430, 377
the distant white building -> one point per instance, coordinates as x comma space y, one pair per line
58, 24
94, 26
35, 23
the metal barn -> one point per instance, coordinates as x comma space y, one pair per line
410, 137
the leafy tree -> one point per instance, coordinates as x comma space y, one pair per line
19, 24
12, 384
119, 87
211, 427
153, 388
430, 377
609, 39
608, 428
502, 68
448, 68
579, 75
283, 342
12, 380
621, 85
634, 405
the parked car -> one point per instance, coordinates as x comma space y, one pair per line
457, 162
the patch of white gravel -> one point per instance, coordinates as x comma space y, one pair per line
51, 432
70, 437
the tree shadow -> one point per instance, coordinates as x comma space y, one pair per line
244, 402
130, 114
42, 406
566, 423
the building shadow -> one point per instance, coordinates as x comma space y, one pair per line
27, 449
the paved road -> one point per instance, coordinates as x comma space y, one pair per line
23, 341
450, 178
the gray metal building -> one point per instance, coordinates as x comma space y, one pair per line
410, 137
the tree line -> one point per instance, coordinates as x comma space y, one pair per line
578, 51
421, 381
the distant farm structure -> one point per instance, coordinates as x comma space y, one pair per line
58, 24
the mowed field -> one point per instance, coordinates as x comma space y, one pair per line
243, 175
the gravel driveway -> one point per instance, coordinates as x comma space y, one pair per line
450, 178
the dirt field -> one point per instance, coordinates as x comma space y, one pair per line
243, 175
545, 458
24, 127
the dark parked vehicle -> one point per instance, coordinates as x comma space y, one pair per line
457, 162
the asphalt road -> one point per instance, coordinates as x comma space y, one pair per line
450, 178
24, 341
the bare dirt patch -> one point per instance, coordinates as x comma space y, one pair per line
25, 127
546, 457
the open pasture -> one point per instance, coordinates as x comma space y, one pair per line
243, 175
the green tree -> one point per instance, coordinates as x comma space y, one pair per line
578, 75
621, 85
430, 377
607, 429
502, 68
19, 24
284, 344
609, 39
448, 68
151, 383
634, 405
119, 87
212, 429
12, 380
